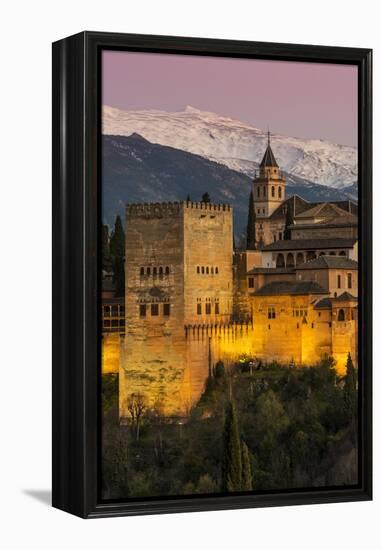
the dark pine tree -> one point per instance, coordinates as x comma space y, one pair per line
106, 257
250, 230
205, 197
289, 222
247, 475
350, 388
188, 198
117, 241
232, 460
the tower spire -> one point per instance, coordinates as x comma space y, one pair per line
268, 137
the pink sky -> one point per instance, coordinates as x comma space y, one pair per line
309, 100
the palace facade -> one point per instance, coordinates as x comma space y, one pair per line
191, 299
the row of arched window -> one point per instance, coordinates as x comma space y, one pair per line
161, 271
206, 270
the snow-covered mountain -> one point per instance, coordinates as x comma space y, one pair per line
236, 144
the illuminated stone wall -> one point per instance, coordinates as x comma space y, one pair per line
110, 353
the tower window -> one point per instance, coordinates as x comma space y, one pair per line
142, 310
198, 269
217, 308
154, 309
167, 270
141, 271
148, 271
216, 270
212, 270
341, 316
339, 281
279, 192
264, 191
273, 191
349, 280
207, 270
258, 191
155, 270
202, 270
198, 309
208, 308
160, 271
259, 210
251, 282
280, 235
166, 309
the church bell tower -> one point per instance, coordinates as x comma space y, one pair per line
269, 185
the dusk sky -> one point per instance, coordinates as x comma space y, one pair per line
307, 100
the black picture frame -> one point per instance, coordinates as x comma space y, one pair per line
76, 237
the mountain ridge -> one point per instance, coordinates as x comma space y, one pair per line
224, 139
136, 170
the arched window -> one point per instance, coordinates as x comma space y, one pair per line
322, 254
279, 192
339, 281
332, 253
160, 270
142, 271
212, 270
167, 270
341, 316
264, 191
299, 258
148, 271
280, 260
273, 191
216, 270
202, 269
155, 270
342, 253
207, 270
198, 269
290, 260
258, 191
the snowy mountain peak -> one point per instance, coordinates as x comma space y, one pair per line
235, 143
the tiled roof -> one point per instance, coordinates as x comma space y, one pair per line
282, 288
325, 209
345, 297
329, 262
324, 303
271, 270
295, 203
306, 244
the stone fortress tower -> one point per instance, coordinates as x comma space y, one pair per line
179, 272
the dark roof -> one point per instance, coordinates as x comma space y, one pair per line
268, 158
345, 297
329, 262
295, 203
281, 288
305, 244
324, 303
271, 270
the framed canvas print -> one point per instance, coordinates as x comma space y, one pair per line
211, 274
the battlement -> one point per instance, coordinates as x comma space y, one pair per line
170, 209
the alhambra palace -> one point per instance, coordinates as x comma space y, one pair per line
192, 298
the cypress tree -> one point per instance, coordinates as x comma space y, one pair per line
350, 388
106, 257
247, 475
250, 230
205, 197
289, 222
117, 239
232, 460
